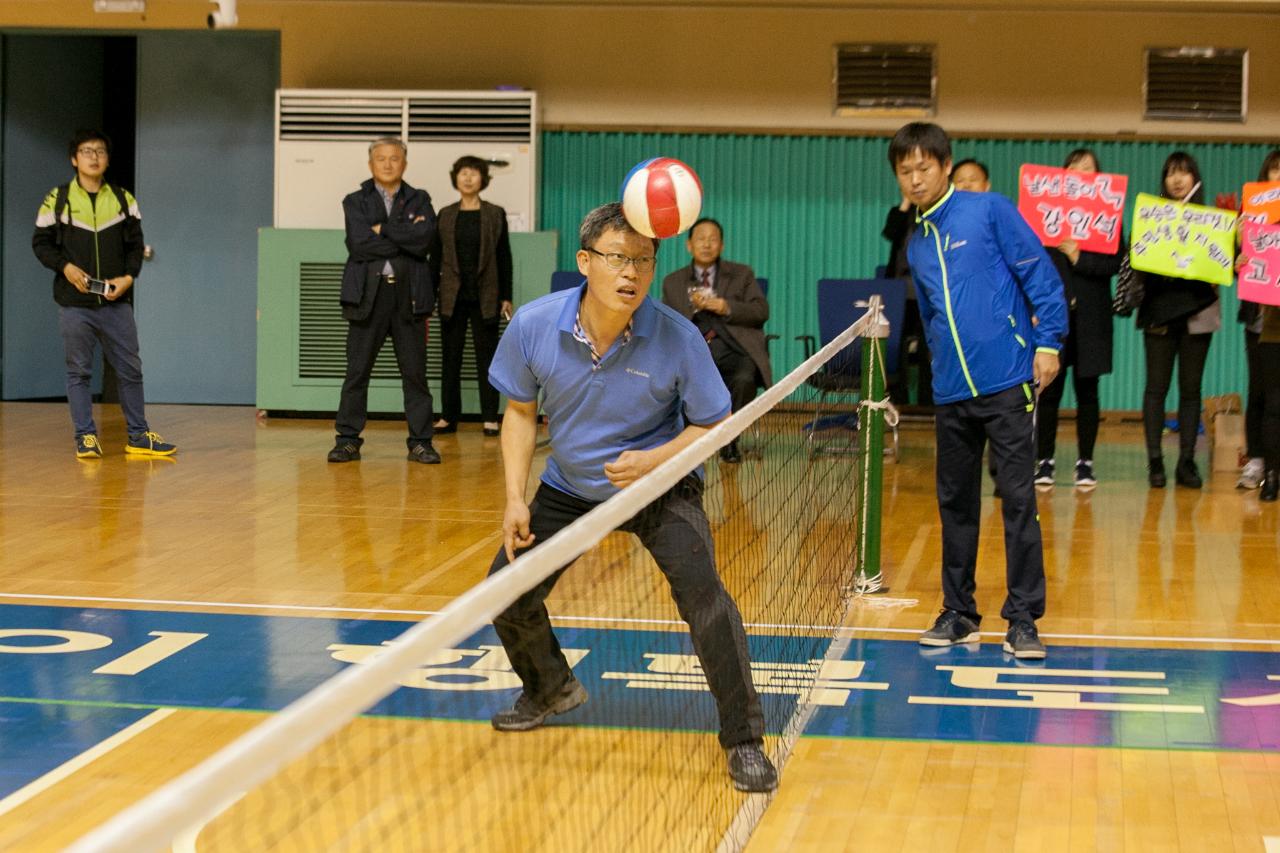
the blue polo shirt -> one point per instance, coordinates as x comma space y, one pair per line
642, 395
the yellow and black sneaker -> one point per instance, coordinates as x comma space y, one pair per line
87, 447
149, 444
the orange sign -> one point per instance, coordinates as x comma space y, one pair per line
1262, 202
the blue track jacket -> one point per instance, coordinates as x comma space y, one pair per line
980, 274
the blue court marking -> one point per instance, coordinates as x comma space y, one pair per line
1088, 696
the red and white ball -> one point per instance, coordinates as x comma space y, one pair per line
661, 197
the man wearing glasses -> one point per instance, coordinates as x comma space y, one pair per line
626, 383
89, 233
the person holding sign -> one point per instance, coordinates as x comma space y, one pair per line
1178, 317
1086, 276
980, 274
1250, 315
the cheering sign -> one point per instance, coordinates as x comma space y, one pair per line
1060, 204
1262, 202
1260, 274
1182, 240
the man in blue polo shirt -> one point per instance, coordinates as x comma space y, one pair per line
627, 383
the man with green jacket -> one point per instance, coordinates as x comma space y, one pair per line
89, 233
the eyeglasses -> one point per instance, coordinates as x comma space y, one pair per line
88, 151
618, 261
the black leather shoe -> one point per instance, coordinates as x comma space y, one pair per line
750, 769
729, 453
1155, 473
1187, 475
345, 451
445, 427
1270, 486
424, 453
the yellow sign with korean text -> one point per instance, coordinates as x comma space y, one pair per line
1183, 240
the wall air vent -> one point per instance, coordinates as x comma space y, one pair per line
885, 79
1196, 83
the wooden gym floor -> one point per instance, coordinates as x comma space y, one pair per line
249, 520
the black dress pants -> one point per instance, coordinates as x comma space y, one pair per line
484, 338
391, 315
1190, 352
1253, 403
1269, 379
963, 430
737, 369
674, 530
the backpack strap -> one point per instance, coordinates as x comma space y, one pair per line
120, 197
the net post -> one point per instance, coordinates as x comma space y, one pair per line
872, 437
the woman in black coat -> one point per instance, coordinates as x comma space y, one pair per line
1086, 276
1178, 318
471, 257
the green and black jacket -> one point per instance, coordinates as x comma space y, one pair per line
103, 239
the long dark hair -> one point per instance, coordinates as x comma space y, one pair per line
1078, 155
1268, 164
1181, 161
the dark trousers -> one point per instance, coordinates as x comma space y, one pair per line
913, 327
963, 429
1254, 400
739, 372
113, 326
1269, 370
674, 530
453, 338
390, 316
1088, 414
1190, 352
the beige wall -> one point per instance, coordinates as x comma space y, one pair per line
745, 65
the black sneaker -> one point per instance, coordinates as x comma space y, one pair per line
750, 769
1023, 641
730, 453
87, 447
1084, 474
1155, 473
424, 453
527, 714
950, 628
1044, 472
1187, 475
1270, 486
344, 451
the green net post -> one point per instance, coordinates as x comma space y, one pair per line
872, 439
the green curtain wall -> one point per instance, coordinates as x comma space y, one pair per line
801, 208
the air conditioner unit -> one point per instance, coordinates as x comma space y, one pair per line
323, 136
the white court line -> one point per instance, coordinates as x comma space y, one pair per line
1271, 843
62, 771
457, 559
311, 608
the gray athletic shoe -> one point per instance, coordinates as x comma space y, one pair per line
950, 629
1023, 641
527, 714
750, 769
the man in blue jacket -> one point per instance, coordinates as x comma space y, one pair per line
387, 290
980, 276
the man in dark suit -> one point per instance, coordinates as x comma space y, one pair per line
729, 308
387, 291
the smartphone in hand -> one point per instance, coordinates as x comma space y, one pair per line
100, 286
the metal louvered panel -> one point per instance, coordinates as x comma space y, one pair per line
303, 117
322, 333
470, 120
1196, 83
896, 79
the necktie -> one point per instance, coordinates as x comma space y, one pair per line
706, 278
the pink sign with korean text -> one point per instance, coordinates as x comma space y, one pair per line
1259, 276
1060, 204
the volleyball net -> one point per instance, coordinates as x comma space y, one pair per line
397, 752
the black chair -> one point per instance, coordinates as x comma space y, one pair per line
841, 302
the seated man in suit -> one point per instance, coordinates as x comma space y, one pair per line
729, 308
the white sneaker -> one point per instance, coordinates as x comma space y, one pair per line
1252, 473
